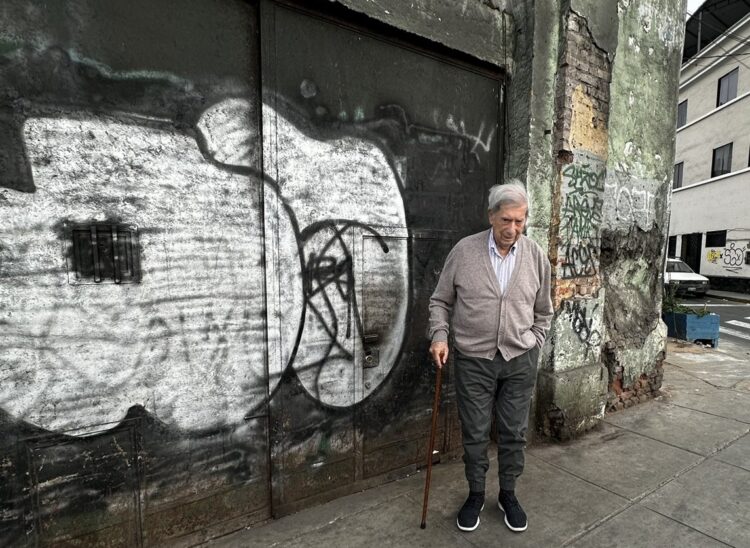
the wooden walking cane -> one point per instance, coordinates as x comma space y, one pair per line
435, 406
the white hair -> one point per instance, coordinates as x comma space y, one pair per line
510, 193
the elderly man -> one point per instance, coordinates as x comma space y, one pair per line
497, 285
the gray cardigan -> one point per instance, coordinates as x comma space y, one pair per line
484, 320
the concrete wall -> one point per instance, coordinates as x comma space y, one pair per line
265, 348
714, 206
639, 172
704, 203
709, 126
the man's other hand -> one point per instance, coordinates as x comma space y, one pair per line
439, 352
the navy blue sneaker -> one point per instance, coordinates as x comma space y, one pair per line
468, 516
515, 517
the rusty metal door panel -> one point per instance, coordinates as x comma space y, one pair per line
66, 498
378, 152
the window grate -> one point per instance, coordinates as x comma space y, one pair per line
103, 253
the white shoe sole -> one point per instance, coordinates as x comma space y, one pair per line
505, 517
469, 529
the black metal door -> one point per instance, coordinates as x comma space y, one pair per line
691, 250
377, 155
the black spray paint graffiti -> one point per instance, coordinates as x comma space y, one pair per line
582, 320
332, 266
581, 218
732, 256
191, 337
324, 224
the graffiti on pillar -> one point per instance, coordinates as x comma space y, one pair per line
581, 217
630, 200
582, 321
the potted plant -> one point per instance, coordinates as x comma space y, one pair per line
687, 323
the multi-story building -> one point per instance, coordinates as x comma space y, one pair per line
710, 220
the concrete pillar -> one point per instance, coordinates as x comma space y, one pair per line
598, 171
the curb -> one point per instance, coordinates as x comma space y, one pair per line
738, 298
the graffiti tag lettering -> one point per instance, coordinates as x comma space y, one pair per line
582, 321
580, 219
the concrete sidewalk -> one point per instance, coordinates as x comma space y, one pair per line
674, 471
729, 295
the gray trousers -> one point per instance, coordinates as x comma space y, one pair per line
480, 383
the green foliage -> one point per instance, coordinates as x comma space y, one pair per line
669, 303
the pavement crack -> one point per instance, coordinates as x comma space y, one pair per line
691, 375
707, 413
704, 533
649, 492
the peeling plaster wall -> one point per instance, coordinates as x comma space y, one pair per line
571, 379
531, 111
608, 210
639, 171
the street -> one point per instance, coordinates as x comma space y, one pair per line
734, 323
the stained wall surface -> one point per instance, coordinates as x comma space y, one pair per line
220, 223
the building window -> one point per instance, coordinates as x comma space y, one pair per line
722, 161
682, 114
727, 89
677, 179
103, 253
717, 238
671, 246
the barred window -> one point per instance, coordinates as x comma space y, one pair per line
103, 253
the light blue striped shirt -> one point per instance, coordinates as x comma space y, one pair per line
503, 266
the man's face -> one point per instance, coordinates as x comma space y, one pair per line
507, 224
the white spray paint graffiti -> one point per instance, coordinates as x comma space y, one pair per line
189, 343
341, 191
479, 139
186, 344
629, 201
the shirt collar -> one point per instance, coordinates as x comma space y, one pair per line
493, 247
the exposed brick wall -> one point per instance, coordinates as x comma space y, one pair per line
581, 63
572, 381
643, 389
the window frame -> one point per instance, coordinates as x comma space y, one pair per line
678, 168
671, 246
728, 78
682, 113
714, 172
716, 238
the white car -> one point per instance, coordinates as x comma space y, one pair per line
681, 277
